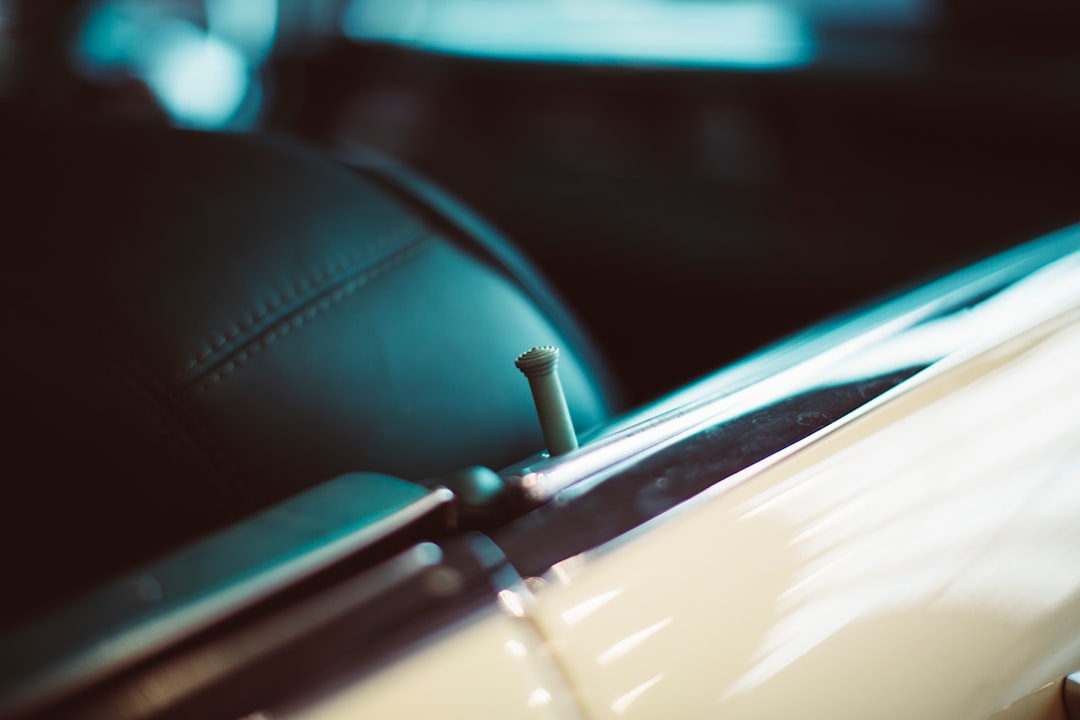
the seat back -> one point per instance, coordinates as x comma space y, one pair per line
200, 325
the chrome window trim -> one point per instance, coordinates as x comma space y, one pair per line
980, 305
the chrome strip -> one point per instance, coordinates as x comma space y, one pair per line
1009, 293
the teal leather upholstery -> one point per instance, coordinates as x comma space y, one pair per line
199, 325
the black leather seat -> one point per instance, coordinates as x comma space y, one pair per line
198, 325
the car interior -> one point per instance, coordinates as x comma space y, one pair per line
255, 246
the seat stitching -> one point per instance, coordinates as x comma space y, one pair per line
304, 285
305, 314
165, 408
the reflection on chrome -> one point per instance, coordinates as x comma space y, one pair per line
914, 333
930, 543
622, 703
1041, 295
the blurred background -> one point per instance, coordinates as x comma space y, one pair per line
697, 177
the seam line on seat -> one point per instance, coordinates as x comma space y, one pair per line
320, 304
307, 284
165, 408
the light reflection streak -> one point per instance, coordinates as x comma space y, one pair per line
1040, 294
1002, 450
583, 609
622, 703
630, 642
511, 603
831, 356
954, 575
565, 570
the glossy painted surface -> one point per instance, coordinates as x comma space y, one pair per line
910, 554
493, 665
759, 409
922, 560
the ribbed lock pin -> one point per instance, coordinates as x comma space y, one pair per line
539, 366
